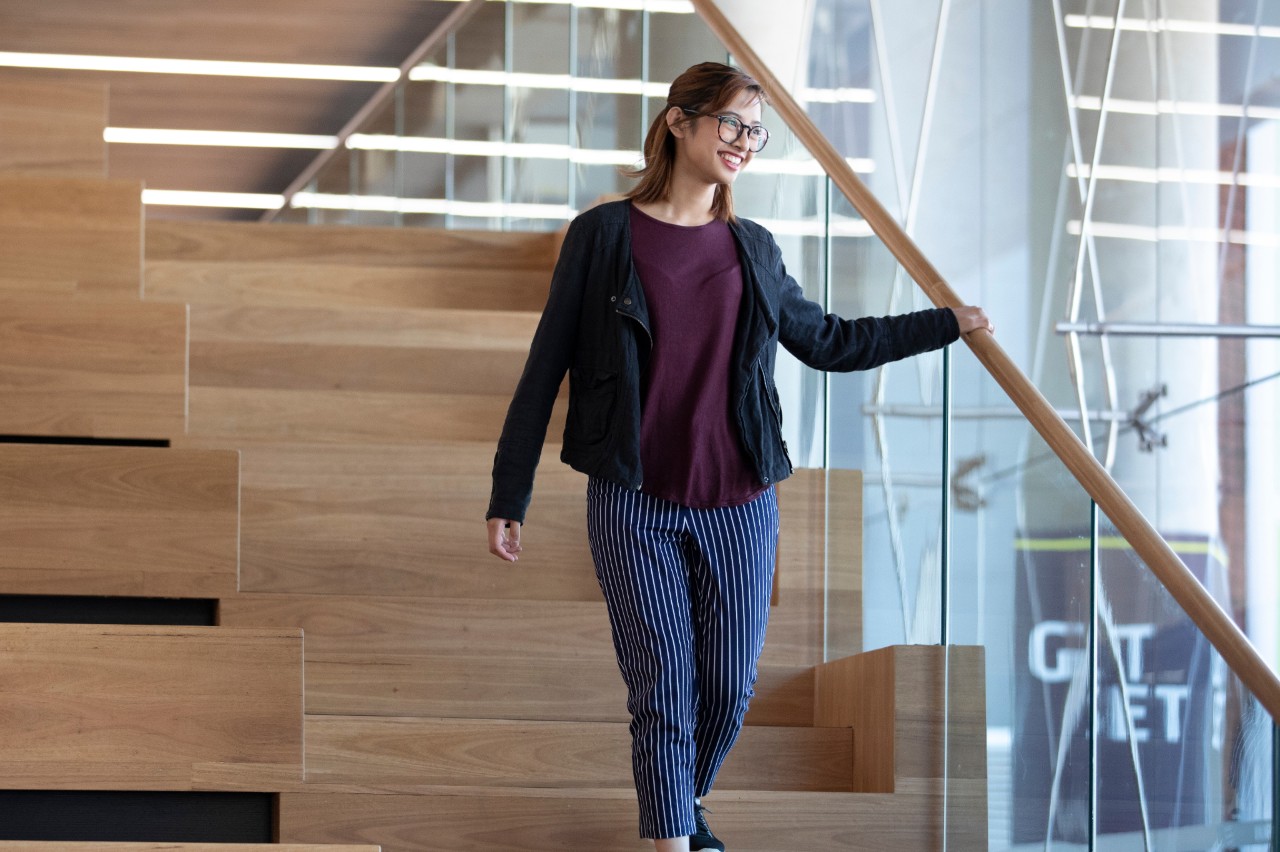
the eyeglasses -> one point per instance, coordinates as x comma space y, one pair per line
731, 129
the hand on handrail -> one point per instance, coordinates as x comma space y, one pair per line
972, 318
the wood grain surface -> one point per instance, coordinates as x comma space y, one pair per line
119, 521
82, 230
89, 369
53, 129
91, 707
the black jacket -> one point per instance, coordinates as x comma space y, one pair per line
595, 327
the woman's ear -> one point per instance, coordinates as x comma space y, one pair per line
675, 122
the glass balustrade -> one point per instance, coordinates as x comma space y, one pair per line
1061, 171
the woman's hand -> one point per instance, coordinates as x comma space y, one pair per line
504, 539
973, 318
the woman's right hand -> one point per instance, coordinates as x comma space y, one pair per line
504, 539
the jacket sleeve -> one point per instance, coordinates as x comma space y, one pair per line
829, 342
550, 355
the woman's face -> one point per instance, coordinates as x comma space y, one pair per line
701, 151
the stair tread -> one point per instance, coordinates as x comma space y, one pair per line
411, 751
119, 521
86, 230
127, 707
86, 369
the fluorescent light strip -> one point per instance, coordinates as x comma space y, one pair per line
1210, 177
838, 96
499, 210
236, 200
562, 82
671, 7
435, 206
1172, 25
215, 138
1166, 107
586, 156
856, 228
1175, 233
530, 80
203, 67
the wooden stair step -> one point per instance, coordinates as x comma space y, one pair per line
517, 659
407, 351
60, 229
299, 283
349, 246
85, 369
401, 520
351, 416
122, 846
53, 129
524, 685
118, 521
509, 820
104, 707
359, 368
439, 328
410, 751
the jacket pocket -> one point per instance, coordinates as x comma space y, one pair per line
592, 394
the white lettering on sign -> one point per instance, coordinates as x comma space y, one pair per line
1056, 650
1051, 660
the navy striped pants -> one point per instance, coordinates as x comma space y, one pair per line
688, 598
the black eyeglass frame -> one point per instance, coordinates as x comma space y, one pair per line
754, 132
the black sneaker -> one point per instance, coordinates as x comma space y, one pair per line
702, 837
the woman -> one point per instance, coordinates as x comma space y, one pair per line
666, 311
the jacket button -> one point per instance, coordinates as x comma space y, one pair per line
765, 481
626, 301
613, 298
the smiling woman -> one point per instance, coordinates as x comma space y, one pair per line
666, 310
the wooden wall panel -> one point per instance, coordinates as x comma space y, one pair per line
53, 129
86, 231
118, 521
91, 707
102, 370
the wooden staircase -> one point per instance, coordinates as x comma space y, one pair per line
332, 397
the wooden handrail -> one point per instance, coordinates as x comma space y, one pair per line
1160, 558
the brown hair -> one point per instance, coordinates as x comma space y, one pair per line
703, 89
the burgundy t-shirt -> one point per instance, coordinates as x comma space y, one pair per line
689, 445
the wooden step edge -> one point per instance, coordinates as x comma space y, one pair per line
122, 846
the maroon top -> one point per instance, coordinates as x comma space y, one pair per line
689, 447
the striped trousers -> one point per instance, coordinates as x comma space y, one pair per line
688, 593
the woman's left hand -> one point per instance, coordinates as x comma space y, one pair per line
973, 318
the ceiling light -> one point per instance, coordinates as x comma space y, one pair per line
583, 156
432, 206
530, 80
1165, 174
237, 200
1174, 25
1168, 107
1174, 233
215, 138
838, 96
204, 67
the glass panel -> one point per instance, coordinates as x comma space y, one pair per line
1184, 750
610, 44
1018, 592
